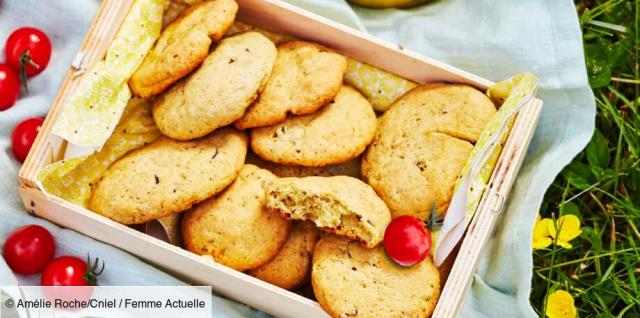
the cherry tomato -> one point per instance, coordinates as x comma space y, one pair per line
406, 240
66, 272
29, 249
9, 87
28, 51
23, 137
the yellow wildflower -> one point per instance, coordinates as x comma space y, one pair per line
541, 234
560, 304
544, 231
568, 228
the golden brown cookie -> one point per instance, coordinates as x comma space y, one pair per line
350, 168
350, 280
217, 93
306, 76
457, 110
422, 144
341, 205
189, 2
168, 176
234, 227
337, 132
182, 46
291, 266
241, 27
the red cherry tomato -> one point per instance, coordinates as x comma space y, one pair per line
406, 240
23, 137
29, 249
70, 278
28, 51
65, 271
9, 87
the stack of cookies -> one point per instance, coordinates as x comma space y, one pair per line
283, 171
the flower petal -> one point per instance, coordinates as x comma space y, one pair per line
564, 244
543, 242
560, 304
541, 238
568, 227
541, 228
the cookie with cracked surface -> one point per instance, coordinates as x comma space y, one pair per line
422, 144
305, 77
350, 280
337, 132
292, 265
234, 227
340, 204
457, 110
168, 176
182, 46
219, 92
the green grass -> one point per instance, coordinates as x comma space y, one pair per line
602, 184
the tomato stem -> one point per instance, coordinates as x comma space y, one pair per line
434, 221
92, 273
25, 58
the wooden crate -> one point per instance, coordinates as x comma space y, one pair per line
277, 16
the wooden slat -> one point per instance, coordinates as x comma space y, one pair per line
102, 30
197, 269
489, 211
285, 18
